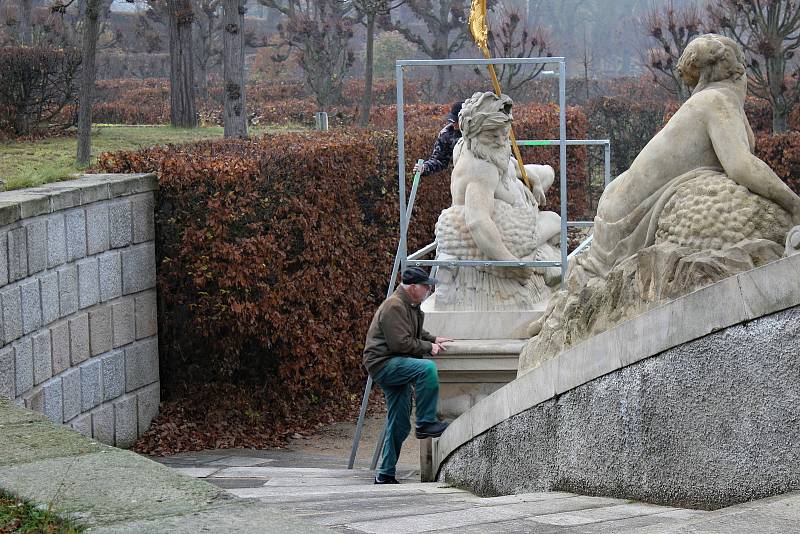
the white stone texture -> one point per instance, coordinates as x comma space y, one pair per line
138, 268
113, 365
3, 258
37, 245
71, 388
59, 336
68, 290
12, 313
52, 400
79, 338
97, 228
7, 373
122, 311
17, 254
91, 385
147, 400
31, 301
504, 324
110, 267
143, 208
103, 424
82, 424
23, 365
125, 421
42, 357
88, 283
120, 225
76, 234
146, 316
56, 240
50, 298
100, 333
141, 364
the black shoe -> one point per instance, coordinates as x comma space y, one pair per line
431, 430
380, 478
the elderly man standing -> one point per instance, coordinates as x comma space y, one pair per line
394, 356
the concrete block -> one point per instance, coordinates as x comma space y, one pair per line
125, 422
88, 283
42, 357
71, 389
3, 258
52, 401
17, 254
75, 221
132, 184
141, 364
7, 374
83, 425
91, 385
143, 207
59, 345
68, 290
120, 224
147, 400
63, 196
56, 240
94, 191
50, 298
31, 301
103, 424
23, 365
146, 322
34, 399
100, 334
96, 228
79, 338
113, 375
12, 313
110, 267
138, 268
123, 321
31, 203
9, 212
37, 245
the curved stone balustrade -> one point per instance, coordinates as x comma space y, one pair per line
77, 290
691, 403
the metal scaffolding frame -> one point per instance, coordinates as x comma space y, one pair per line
402, 258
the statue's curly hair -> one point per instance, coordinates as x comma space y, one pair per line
711, 58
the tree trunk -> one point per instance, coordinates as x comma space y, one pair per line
183, 110
88, 73
366, 102
233, 68
780, 109
25, 23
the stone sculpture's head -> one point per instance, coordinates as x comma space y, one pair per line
711, 58
485, 121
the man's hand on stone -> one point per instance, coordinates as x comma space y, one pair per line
441, 339
436, 348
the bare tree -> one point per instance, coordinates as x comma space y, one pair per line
509, 36
208, 49
320, 32
769, 33
370, 10
446, 22
183, 108
26, 10
671, 28
235, 119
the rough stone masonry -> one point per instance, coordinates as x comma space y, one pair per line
78, 331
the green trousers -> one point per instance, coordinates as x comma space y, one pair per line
396, 380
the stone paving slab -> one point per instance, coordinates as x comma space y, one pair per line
241, 461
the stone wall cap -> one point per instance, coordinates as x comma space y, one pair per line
46, 198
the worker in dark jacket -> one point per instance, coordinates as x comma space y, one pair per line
445, 143
394, 356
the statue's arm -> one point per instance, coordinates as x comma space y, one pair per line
478, 209
733, 151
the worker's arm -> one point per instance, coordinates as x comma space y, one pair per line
442, 154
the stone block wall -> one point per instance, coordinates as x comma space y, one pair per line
78, 330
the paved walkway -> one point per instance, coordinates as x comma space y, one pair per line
315, 489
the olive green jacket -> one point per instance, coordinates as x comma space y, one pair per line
396, 330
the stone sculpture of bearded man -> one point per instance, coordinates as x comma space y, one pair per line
494, 217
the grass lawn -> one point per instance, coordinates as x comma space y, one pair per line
32, 163
19, 516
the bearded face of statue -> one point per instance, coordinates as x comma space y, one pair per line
493, 145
